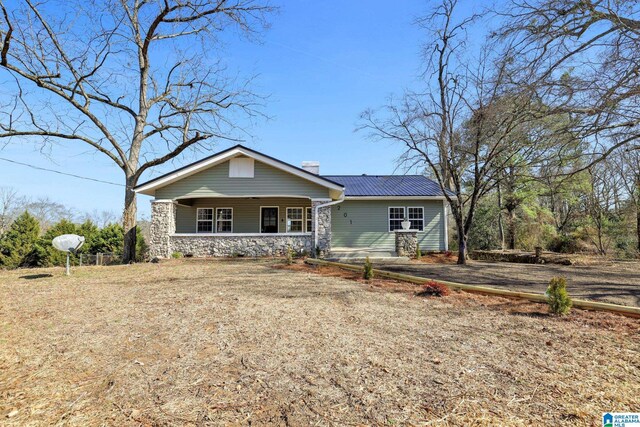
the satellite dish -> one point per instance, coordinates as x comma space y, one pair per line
68, 243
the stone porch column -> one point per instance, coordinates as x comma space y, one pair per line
323, 245
163, 224
406, 242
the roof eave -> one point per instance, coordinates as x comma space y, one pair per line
404, 197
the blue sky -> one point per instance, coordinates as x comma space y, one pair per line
321, 63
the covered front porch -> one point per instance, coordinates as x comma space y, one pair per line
242, 215
240, 226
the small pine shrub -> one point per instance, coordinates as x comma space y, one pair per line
558, 297
176, 255
434, 289
290, 254
368, 269
418, 252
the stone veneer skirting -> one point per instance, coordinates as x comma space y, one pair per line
240, 245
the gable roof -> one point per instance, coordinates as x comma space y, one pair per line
387, 185
150, 186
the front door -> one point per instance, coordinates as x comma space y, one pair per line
269, 220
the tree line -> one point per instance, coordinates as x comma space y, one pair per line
28, 226
594, 211
47, 211
23, 244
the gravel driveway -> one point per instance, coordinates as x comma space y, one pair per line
616, 282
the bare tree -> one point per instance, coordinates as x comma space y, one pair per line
598, 204
100, 218
629, 163
560, 193
47, 211
512, 200
140, 81
582, 60
460, 125
11, 205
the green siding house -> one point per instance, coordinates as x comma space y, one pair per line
242, 202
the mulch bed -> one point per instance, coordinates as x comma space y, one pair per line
376, 283
437, 258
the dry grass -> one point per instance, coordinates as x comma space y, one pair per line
222, 342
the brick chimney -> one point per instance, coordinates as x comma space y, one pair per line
311, 166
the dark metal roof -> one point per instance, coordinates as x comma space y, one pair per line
387, 185
355, 185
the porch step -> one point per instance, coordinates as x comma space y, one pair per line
359, 255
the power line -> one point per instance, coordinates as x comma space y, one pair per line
61, 173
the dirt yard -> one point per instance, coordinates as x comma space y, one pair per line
239, 342
613, 282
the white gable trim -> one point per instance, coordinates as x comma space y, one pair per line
150, 187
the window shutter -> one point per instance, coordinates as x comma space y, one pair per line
241, 167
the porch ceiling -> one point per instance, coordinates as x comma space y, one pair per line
191, 200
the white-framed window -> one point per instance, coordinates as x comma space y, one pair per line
416, 216
204, 220
309, 220
224, 220
295, 220
396, 216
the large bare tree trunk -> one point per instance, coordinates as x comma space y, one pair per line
462, 236
500, 223
511, 215
638, 214
129, 222
602, 250
462, 249
638, 227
